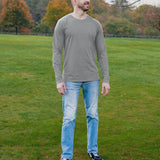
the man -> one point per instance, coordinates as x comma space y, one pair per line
82, 37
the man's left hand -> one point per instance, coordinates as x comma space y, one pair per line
105, 88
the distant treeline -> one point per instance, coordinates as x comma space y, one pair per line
40, 16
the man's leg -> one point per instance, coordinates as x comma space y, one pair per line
70, 100
90, 95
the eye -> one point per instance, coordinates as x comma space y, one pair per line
86, 3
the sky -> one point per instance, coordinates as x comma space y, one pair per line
152, 2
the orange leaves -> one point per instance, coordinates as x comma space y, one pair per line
15, 14
147, 15
55, 10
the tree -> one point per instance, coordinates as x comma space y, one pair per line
40, 11
120, 3
120, 27
1, 6
124, 4
147, 15
55, 10
151, 31
69, 3
15, 14
100, 7
37, 9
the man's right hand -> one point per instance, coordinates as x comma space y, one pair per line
60, 87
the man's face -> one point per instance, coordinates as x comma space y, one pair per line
83, 4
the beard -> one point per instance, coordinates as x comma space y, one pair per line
84, 7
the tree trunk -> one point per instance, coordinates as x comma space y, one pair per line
16, 30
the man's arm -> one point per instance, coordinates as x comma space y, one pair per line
58, 43
103, 60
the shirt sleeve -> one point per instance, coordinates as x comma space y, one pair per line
58, 43
102, 53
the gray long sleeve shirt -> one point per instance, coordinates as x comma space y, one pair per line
81, 40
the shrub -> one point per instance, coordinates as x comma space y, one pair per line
151, 31
25, 30
41, 28
121, 27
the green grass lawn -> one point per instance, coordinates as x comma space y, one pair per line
31, 112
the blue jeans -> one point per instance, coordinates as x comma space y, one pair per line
70, 100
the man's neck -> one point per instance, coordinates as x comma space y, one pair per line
79, 14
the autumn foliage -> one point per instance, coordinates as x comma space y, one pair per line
147, 15
15, 14
118, 18
55, 10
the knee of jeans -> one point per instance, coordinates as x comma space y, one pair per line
68, 121
93, 112
69, 117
